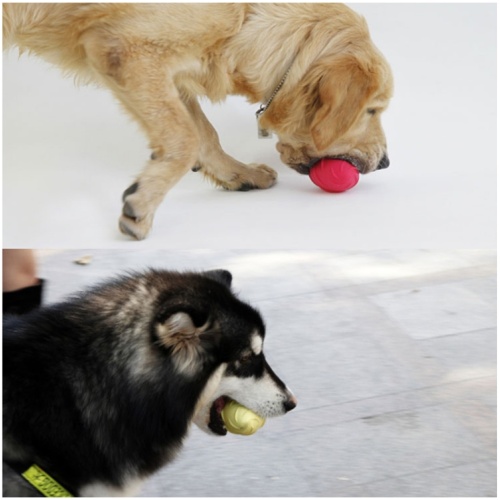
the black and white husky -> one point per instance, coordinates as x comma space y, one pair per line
100, 390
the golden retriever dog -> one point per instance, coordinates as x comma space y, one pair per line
322, 82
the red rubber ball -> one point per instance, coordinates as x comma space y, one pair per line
334, 176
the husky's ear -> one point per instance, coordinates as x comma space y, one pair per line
179, 330
221, 275
180, 333
179, 324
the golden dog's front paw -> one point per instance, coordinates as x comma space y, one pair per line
263, 176
250, 177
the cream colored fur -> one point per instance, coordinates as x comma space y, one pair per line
158, 58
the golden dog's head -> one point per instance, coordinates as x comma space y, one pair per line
334, 111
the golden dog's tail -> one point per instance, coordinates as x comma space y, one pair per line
20, 18
15, 17
12, 21
7, 25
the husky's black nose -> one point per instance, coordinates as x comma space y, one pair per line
290, 404
384, 162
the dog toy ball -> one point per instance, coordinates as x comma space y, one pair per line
334, 176
241, 420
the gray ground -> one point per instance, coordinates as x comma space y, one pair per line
392, 356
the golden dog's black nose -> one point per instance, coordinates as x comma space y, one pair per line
384, 162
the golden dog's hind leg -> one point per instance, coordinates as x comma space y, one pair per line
221, 168
139, 77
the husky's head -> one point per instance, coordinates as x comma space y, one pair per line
216, 340
249, 380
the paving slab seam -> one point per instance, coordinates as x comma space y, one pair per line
458, 334
429, 388
424, 471
402, 283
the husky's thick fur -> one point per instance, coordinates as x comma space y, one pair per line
100, 390
158, 58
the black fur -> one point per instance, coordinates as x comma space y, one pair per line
80, 402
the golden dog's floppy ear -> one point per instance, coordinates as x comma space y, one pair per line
343, 92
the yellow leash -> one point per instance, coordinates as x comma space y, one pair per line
44, 483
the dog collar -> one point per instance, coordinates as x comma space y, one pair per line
44, 483
262, 132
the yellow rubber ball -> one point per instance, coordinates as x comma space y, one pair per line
240, 420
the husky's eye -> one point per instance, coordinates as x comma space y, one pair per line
246, 358
247, 365
371, 111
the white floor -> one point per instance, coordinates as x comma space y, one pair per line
68, 153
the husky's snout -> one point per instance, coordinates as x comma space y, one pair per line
290, 403
266, 395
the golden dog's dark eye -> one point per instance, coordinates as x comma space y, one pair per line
371, 111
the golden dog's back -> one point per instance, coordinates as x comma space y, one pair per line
55, 31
